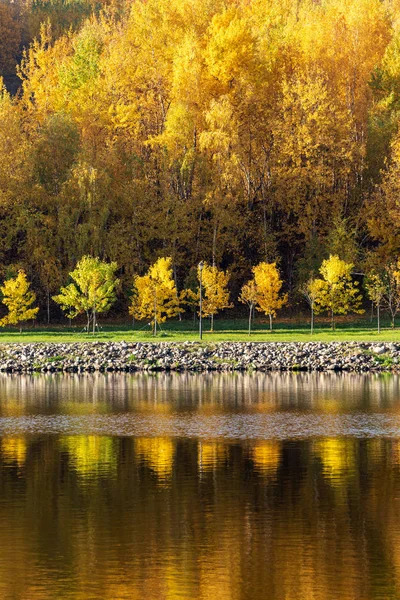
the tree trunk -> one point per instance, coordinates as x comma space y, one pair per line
176, 288
94, 321
333, 321
312, 319
88, 322
379, 321
214, 245
212, 323
48, 306
250, 319
198, 236
155, 315
270, 322
265, 232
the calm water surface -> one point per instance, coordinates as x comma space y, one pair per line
214, 487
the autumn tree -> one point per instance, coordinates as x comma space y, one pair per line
391, 296
18, 298
336, 292
268, 285
309, 290
229, 130
311, 181
248, 295
376, 285
10, 37
92, 291
154, 294
216, 294
16, 188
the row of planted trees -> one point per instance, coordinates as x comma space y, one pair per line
93, 290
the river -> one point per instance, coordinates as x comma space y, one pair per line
200, 486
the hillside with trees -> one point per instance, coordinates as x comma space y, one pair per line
230, 132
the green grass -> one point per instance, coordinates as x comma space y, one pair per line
225, 330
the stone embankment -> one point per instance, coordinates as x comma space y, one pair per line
193, 356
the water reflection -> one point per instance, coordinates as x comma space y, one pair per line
163, 393
157, 454
241, 406
266, 456
199, 517
90, 455
158, 518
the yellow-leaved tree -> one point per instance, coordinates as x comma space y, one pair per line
336, 292
154, 294
377, 287
19, 299
310, 292
92, 290
268, 284
249, 295
391, 296
214, 281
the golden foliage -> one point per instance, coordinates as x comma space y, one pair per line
216, 293
188, 126
154, 295
336, 291
268, 285
18, 298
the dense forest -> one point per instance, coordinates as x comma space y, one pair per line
229, 131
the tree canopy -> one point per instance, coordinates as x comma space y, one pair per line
336, 291
155, 296
18, 298
234, 132
92, 290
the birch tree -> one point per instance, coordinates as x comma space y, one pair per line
154, 294
92, 291
268, 284
336, 292
216, 293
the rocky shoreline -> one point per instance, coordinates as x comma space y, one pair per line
194, 356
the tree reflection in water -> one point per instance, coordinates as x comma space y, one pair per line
109, 517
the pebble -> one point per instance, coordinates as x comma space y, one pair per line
193, 356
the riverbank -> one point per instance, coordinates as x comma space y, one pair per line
194, 356
348, 329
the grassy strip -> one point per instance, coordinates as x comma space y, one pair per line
225, 330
